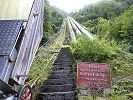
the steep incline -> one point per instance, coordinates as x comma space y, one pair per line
60, 84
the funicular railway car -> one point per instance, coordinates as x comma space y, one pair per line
21, 29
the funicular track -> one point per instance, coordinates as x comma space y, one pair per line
60, 84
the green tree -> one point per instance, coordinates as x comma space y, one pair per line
127, 25
57, 18
48, 30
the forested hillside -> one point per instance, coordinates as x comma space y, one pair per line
111, 23
110, 19
53, 18
57, 18
48, 29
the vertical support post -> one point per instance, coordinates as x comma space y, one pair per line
93, 94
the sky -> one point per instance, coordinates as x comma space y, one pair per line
71, 5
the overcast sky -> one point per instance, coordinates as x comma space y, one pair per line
71, 5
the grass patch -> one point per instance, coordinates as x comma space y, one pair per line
44, 60
90, 98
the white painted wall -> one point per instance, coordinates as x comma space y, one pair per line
15, 9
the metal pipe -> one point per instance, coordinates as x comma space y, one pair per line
78, 32
83, 29
72, 34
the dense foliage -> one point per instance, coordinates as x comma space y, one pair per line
110, 19
57, 18
120, 28
48, 30
53, 18
104, 51
112, 23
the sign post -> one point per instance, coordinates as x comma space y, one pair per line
93, 75
93, 94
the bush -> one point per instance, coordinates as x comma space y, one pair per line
130, 95
119, 97
104, 51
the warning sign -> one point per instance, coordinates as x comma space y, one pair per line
93, 75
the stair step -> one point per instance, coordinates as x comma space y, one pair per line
63, 63
70, 93
56, 66
61, 72
57, 88
59, 81
61, 68
60, 76
57, 98
60, 85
